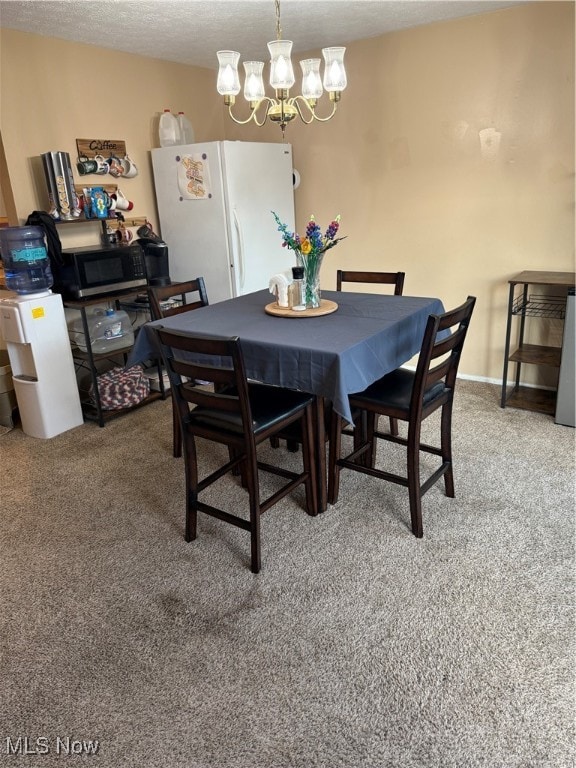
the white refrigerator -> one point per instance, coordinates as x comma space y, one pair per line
215, 203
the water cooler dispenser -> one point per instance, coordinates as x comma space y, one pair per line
34, 329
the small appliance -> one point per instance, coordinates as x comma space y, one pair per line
156, 260
98, 270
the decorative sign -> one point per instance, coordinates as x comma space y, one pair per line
91, 147
193, 177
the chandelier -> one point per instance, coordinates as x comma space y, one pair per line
283, 108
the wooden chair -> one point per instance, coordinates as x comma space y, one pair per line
240, 415
410, 396
381, 278
377, 278
188, 295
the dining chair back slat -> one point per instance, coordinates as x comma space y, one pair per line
377, 278
190, 294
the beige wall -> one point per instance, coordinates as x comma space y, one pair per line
53, 92
402, 161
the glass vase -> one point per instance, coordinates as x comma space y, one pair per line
311, 264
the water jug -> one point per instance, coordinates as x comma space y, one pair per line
26, 262
109, 330
185, 129
169, 133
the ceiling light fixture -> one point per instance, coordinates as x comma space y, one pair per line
283, 108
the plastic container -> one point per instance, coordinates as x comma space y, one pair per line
109, 330
185, 129
25, 258
296, 291
169, 133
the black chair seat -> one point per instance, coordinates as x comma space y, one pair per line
394, 392
269, 406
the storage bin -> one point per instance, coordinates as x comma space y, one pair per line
109, 330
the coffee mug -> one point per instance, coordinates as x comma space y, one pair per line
84, 166
102, 166
124, 235
117, 166
122, 202
131, 168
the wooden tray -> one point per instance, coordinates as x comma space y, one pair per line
326, 307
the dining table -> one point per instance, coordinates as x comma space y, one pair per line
330, 355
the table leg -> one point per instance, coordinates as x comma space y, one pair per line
320, 432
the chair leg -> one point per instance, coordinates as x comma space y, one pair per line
446, 447
335, 447
371, 439
191, 472
250, 467
360, 430
176, 433
413, 474
309, 462
291, 445
240, 469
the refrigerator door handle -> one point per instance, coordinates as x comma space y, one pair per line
240, 250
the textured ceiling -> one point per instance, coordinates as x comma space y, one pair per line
191, 31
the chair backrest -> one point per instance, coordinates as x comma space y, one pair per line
187, 358
382, 278
440, 354
158, 294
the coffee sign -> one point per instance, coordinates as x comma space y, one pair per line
91, 147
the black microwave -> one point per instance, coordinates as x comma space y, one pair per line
98, 270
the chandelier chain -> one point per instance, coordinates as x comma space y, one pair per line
278, 27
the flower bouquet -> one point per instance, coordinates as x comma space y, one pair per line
310, 251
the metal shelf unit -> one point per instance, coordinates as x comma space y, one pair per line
522, 304
90, 398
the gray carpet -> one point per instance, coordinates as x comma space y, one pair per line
357, 646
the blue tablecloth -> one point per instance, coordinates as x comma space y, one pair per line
333, 355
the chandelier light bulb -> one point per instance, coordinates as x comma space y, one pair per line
253, 83
281, 72
311, 81
334, 72
228, 83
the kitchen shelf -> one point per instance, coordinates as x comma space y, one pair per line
92, 413
522, 304
111, 223
89, 360
536, 354
529, 399
535, 305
